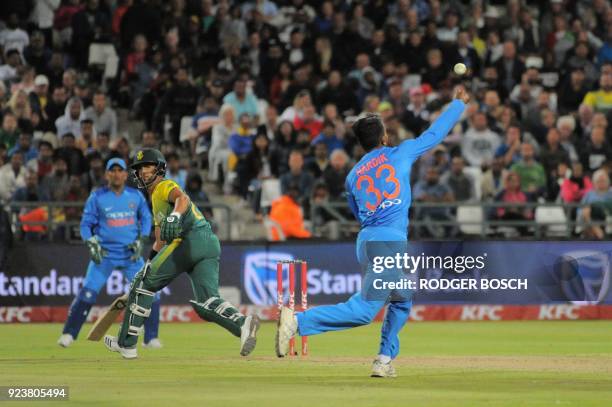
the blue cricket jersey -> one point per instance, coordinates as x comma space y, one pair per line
379, 184
117, 220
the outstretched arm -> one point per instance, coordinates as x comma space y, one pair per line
439, 128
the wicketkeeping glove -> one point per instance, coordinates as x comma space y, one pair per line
136, 248
171, 227
95, 250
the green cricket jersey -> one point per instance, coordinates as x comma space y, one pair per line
162, 207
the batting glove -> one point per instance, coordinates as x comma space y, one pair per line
136, 248
171, 227
95, 249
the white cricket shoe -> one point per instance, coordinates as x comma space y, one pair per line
248, 335
380, 369
113, 345
287, 328
65, 340
154, 343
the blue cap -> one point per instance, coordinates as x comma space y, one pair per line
115, 161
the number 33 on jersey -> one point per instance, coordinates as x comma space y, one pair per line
378, 186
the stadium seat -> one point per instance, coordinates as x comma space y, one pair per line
469, 218
270, 190
553, 218
476, 174
104, 55
274, 232
185, 127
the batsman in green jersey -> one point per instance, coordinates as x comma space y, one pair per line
184, 241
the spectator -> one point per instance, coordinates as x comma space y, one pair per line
90, 24
530, 172
175, 172
257, 166
576, 186
207, 115
12, 176
336, 92
328, 137
9, 133
40, 96
573, 91
284, 143
460, 184
479, 143
55, 108
553, 153
31, 191
25, 147
42, 17
197, 194
288, 214
137, 56
87, 142
270, 123
19, 104
297, 176
218, 155
493, 179
514, 194
566, 126
179, 100
72, 155
241, 100
149, 140
580, 60
597, 150
76, 193
43, 163
122, 150
600, 100
95, 177
599, 205
435, 72
317, 164
416, 116
335, 174
311, 122
13, 37
12, 59
430, 190
70, 122
103, 146
104, 118
241, 141
509, 67
56, 184
509, 149
296, 110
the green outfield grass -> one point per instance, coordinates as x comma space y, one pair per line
442, 364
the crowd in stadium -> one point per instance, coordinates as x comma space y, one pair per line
245, 95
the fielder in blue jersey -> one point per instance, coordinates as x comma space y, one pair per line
379, 196
115, 220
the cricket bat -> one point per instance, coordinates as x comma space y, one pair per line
101, 326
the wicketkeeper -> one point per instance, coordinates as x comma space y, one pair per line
115, 220
184, 242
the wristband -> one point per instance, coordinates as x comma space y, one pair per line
178, 215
